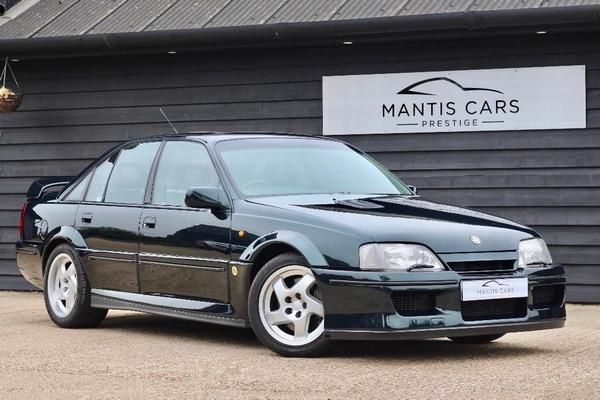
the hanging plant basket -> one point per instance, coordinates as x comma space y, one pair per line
9, 99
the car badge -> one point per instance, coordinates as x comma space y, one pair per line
475, 240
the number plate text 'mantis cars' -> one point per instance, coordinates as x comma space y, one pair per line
305, 240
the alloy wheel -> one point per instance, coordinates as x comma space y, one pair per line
290, 307
62, 285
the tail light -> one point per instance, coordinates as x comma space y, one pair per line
22, 221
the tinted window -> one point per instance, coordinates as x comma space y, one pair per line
263, 167
79, 189
128, 180
98, 183
182, 165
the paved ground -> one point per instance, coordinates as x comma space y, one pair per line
140, 356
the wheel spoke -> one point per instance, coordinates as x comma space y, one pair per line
73, 288
314, 306
281, 291
60, 304
58, 286
63, 269
71, 272
304, 284
301, 328
278, 317
70, 301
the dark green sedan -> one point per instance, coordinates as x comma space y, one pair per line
306, 240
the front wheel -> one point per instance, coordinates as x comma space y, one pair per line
285, 308
481, 339
67, 292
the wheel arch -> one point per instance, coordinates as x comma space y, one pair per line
268, 246
65, 235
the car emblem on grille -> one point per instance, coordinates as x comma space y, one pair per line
475, 240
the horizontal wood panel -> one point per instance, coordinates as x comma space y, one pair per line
9, 282
11, 201
583, 274
9, 267
570, 235
14, 186
575, 255
9, 218
534, 197
9, 235
41, 168
468, 179
167, 96
7, 251
583, 294
431, 173
496, 159
312, 70
186, 113
58, 151
541, 216
501, 140
124, 132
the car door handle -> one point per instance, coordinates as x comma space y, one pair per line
86, 218
149, 222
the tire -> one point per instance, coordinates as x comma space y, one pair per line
482, 339
285, 309
67, 291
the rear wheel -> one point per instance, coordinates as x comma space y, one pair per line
482, 339
67, 292
285, 308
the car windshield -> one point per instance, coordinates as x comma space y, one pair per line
288, 166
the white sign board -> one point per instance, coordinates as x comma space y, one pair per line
494, 289
472, 100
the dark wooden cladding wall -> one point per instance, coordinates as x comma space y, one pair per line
75, 109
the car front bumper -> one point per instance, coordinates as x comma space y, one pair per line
364, 305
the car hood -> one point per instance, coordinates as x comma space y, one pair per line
409, 219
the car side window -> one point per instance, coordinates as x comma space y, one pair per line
78, 191
98, 183
182, 165
127, 183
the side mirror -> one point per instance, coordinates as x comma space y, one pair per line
412, 188
207, 197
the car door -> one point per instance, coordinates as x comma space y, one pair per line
183, 251
109, 217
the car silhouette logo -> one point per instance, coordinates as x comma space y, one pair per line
409, 89
493, 283
475, 240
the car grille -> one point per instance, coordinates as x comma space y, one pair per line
476, 266
413, 303
548, 296
493, 309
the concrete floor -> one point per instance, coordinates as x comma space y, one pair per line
136, 356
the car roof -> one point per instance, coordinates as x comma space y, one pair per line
214, 137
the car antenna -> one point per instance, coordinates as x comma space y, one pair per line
169, 121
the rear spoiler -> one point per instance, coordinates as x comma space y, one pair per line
49, 184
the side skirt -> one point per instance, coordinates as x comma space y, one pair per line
192, 310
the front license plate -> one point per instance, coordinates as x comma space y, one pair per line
488, 289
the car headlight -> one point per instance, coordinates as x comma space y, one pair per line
533, 252
398, 257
